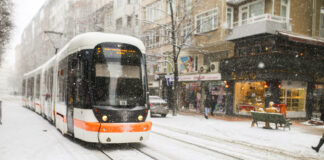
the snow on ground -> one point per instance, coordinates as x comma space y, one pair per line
24, 135
297, 141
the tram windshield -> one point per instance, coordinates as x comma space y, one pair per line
118, 78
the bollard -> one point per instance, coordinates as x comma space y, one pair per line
0, 114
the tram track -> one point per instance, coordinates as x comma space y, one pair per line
126, 149
212, 140
199, 146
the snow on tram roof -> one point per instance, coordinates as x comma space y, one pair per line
89, 41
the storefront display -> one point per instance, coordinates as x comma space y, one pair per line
293, 94
318, 93
249, 96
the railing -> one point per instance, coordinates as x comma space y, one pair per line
263, 17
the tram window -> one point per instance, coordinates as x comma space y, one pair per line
30, 88
38, 86
118, 76
24, 87
62, 78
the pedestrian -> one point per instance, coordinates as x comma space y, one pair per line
207, 105
321, 107
198, 97
213, 103
320, 143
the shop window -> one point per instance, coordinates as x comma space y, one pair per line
249, 96
293, 94
318, 93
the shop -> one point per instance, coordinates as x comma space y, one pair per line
194, 88
277, 68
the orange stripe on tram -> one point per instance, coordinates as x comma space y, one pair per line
113, 127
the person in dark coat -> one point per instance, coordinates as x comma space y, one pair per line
320, 143
321, 108
213, 103
207, 105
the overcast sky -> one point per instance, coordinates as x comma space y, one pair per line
23, 12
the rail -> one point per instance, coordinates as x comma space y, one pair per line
262, 17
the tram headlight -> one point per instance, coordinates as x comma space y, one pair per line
140, 117
104, 118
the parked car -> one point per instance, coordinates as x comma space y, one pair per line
158, 106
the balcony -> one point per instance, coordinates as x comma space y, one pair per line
265, 23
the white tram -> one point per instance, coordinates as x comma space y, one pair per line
94, 89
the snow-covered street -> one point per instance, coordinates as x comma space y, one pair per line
26, 135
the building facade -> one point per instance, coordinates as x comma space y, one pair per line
278, 56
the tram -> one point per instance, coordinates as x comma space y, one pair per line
94, 89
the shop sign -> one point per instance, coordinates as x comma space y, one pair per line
201, 77
196, 77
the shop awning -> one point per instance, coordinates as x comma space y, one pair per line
302, 38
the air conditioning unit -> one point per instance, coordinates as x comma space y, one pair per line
214, 66
203, 69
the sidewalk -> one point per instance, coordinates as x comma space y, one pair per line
298, 140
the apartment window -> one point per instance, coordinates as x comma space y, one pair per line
187, 5
153, 11
186, 31
256, 9
152, 38
119, 3
322, 23
167, 34
250, 10
284, 9
207, 21
129, 21
229, 17
136, 20
119, 23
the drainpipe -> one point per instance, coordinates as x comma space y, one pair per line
273, 2
314, 19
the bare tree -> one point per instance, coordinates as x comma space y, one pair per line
180, 16
5, 23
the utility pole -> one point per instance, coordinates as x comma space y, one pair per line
53, 32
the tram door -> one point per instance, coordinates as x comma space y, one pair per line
73, 70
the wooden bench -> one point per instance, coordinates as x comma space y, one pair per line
268, 118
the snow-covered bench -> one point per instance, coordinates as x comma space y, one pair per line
268, 118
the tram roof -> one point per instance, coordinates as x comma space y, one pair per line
89, 41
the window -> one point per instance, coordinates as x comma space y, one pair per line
284, 9
229, 17
322, 23
129, 21
38, 86
187, 5
256, 9
119, 23
250, 10
136, 20
119, 3
153, 11
186, 31
207, 21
